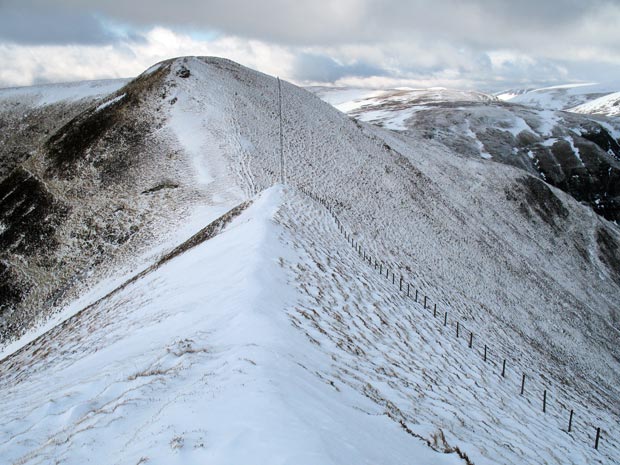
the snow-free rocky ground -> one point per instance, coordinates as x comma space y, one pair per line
266, 338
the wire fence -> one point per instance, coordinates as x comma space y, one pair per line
491, 354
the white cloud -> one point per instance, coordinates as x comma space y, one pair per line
412, 63
28, 64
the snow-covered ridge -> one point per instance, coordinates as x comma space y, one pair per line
294, 349
231, 382
49, 94
110, 102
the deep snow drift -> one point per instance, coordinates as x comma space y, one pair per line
528, 269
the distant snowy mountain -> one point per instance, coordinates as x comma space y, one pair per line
563, 97
608, 105
391, 108
164, 299
579, 154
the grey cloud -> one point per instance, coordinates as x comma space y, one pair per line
322, 68
334, 39
51, 26
330, 22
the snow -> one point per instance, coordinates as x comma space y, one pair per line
151, 70
193, 221
548, 121
391, 108
110, 102
346, 99
68, 92
574, 148
179, 369
608, 105
518, 126
275, 343
560, 97
394, 120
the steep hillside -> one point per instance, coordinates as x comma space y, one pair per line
578, 154
520, 263
28, 115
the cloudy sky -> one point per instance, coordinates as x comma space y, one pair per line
484, 44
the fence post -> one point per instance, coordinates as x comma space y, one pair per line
416, 295
570, 421
457, 329
393, 278
598, 436
407, 289
400, 284
445, 319
523, 384
471, 339
434, 310
425, 302
545, 401
485, 353
504, 369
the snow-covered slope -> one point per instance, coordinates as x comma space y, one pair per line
273, 341
48, 94
578, 154
520, 263
391, 108
563, 97
608, 105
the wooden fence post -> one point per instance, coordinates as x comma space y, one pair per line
485, 353
407, 289
400, 283
434, 310
598, 437
570, 421
416, 295
504, 369
457, 329
471, 339
523, 384
425, 302
545, 401
445, 319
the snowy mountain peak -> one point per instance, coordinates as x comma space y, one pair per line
191, 309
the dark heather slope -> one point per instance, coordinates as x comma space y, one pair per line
29, 115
